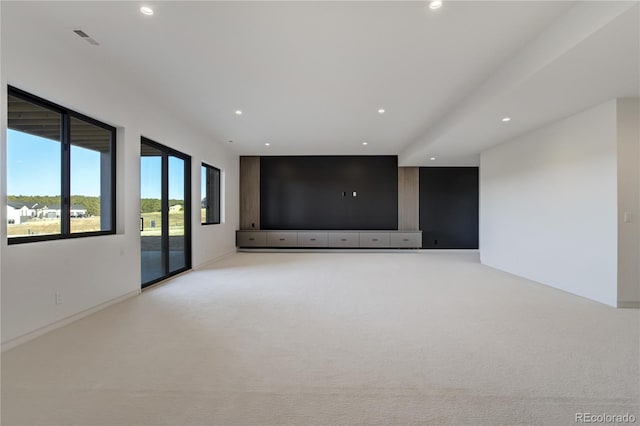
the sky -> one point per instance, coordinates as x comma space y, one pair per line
150, 177
33, 168
203, 183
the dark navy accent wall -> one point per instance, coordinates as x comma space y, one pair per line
449, 203
316, 192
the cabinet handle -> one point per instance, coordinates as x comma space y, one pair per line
374, 239
405, 239
343, 239
252, 239
281, 239
312, 239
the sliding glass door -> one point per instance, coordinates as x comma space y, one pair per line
165, 212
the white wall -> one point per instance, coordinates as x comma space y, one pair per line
548, 205
92, 271
629, 202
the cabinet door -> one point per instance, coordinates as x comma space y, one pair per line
313, 239
405, 239
374, 239
251, 239
344, 239
282, 239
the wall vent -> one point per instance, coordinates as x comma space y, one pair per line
86, 37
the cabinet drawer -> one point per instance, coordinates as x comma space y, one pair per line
344, 239
251, 239
282, 239
313, 239
405, 239
374, 239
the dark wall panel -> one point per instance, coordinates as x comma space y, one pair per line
316, 192
449, 198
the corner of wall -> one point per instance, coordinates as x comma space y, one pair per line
3, 176
628, 145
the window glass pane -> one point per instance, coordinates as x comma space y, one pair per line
33, 169
90, 208
153, 266
210, 202
203, 194
177, 254
213, 212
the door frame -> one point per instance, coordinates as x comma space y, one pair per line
166, 152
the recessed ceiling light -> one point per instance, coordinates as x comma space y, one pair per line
146, 10
238, 112
432, 158
381, 111
365, 143
435, 4
267, 144
506, 119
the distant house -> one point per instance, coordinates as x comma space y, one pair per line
78, 210
19, 211
175, 208
49, 212
55, 210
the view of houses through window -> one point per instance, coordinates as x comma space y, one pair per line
165, 211
58, 182
33, 184
90, 155
210, 195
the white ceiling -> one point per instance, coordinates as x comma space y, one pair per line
588, 56
310, 76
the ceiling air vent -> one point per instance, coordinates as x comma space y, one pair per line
86, 37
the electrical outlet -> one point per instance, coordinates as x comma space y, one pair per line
59, 299
122, 252
628, 217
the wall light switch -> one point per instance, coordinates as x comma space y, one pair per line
355, 194
628, 217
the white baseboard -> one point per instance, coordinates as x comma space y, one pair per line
611, 303
12, 343
629, 305
352, 250
214, 260
194, 268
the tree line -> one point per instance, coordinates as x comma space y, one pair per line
150, 205
92, 204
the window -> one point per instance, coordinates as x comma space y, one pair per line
210, 195
60, 172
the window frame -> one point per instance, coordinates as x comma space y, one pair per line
65, 158
218, 204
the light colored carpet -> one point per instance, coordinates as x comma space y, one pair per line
332, 339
